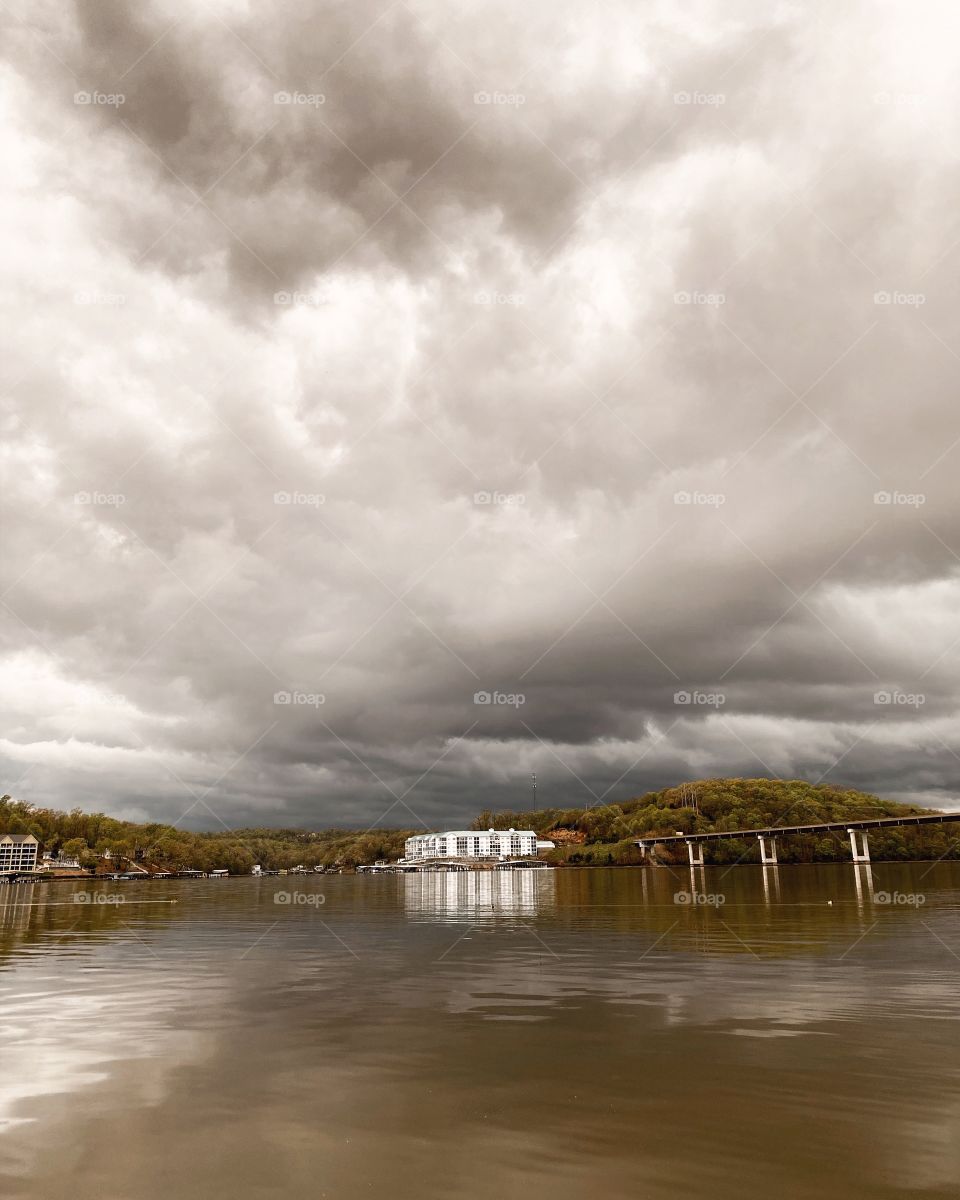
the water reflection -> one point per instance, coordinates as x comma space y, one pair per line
72, 917
477, 895
644, 1043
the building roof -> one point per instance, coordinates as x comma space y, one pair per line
18, 837
475, 833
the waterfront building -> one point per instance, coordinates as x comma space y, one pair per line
18, 853
473, 843
57, 861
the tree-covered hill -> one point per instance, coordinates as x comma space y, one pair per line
91, 835
604, 833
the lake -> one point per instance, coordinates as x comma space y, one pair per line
734, 1032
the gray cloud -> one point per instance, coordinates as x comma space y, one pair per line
643, 387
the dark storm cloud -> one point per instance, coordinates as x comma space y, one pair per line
399, 154
635, 413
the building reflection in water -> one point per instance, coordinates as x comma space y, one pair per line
24, 915
475, 895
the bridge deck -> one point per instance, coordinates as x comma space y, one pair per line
784, 830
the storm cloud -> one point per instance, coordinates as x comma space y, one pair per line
402, 398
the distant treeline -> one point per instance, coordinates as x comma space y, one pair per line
89, 836
601, 834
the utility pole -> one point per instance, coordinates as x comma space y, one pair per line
534, 778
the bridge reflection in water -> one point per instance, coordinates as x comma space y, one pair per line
475, 895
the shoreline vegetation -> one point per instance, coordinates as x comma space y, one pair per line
601, 835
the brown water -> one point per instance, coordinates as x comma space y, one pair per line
560, 1034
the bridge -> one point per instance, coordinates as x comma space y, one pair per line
767, 836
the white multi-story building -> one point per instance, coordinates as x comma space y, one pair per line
18, 853
473, 843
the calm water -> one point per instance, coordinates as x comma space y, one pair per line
562, 1034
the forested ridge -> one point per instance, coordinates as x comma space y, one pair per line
604, 833
600, 834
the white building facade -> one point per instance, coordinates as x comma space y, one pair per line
18, 853
473, 843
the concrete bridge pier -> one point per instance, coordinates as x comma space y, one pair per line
863, 854
767, 856
696, 859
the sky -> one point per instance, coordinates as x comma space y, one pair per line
402, 399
